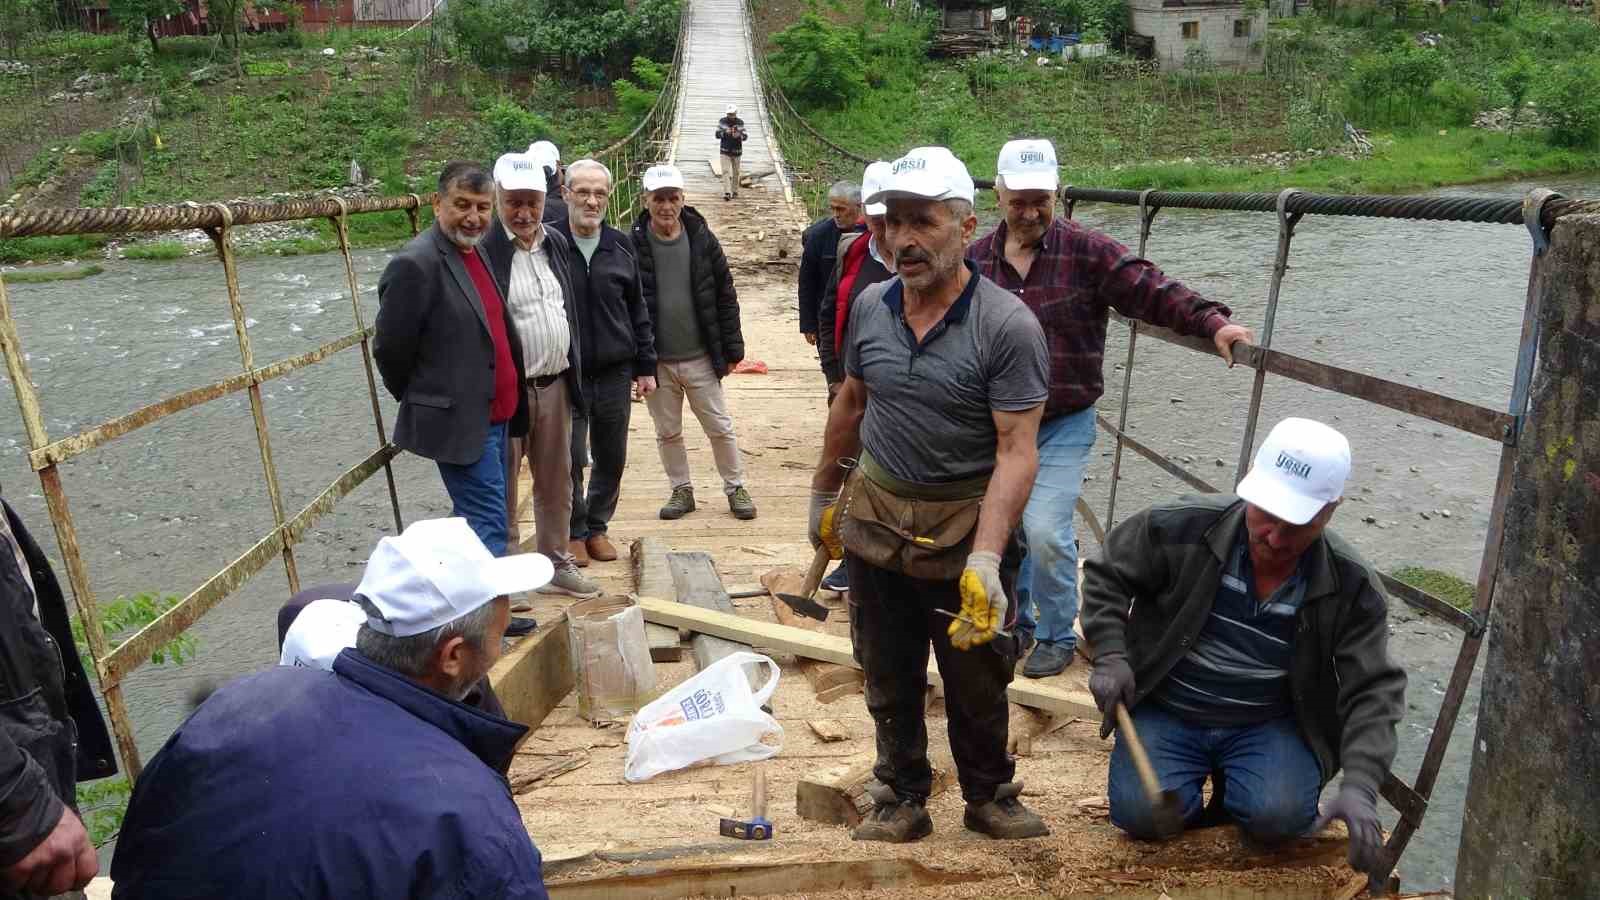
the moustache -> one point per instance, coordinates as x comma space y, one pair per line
910, 256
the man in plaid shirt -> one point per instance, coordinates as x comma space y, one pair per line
1070, 276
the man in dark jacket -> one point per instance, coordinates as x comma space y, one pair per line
1249, 644
51, 733
372, 780
445, 350
555, 206
619, 353
695, 314
819, 247
533, 272
731, 137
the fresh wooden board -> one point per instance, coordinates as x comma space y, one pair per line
811, 645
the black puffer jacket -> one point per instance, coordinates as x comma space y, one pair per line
716, 304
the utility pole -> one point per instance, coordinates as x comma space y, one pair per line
1532, 822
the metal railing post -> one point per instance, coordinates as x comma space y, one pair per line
342, 228
1280, 267
1147, 215
222, 237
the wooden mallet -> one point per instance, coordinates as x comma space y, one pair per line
1166, 809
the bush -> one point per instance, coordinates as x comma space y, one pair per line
1392, 86
1455, 103
1516, 78
634, 101
1571, 103
818, 63
512, 128
103, 189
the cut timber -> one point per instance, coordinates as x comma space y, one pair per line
696, 582
799, 642
742, 880
838, 796
651, 577
829, 730
536, 675
822, 676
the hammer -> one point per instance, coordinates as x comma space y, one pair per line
1166, 809
756, 828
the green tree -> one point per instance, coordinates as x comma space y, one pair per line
1571, 104
143, 16
1517, 77
18, 20
819, 63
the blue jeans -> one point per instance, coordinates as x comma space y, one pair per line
1271, 779
478, 491
1049, 576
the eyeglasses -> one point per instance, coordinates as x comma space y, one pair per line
597, 196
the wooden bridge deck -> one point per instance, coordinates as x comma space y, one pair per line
719, 70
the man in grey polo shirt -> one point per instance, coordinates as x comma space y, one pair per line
945, 380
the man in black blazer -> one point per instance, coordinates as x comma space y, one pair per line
446, 350
533, 269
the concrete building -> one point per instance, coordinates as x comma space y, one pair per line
1228, 34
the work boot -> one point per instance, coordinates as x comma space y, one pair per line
568, 581
580, 553
600, 547
740, 504
1049, 658
680, 504
1004, 818
892, 819
521, 625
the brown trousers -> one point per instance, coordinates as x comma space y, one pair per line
548, 449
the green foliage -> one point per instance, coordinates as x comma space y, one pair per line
74, 273
512, 128
1570, 100
140, 16
19, 20
651, 75
1454, 102
155, 250
102, 805
818, 63
1517, 78
1457, 592
104, 187
1389, 87
70, 246
44, 165
1311, 124
635, 101
605, 30
1105, 19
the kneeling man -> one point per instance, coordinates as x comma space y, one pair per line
1250, 644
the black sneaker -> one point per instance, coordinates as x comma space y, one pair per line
521, 625
1049, 658
1005, 818
892, 819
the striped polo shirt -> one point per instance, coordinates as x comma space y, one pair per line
1238, 671
538, 309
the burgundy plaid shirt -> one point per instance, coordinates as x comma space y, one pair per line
1078, 275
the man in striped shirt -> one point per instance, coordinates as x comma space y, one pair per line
1249, 645
531, 263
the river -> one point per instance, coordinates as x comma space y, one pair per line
1429, 304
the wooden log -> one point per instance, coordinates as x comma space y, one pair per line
822, 676
536, 675
697, 584
652, 577
826, 647
840, 795
751, 879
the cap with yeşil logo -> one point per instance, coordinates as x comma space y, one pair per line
1300, 468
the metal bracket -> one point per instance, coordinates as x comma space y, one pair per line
1479, 628
1532, 215
1147, 215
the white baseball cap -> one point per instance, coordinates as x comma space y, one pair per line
732, 110
872, 182
928, 173
665, 175
546, 153
437, 571
1029, 165
519, 172
320, 632
1300, 468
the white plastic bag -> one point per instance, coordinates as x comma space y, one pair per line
713, 715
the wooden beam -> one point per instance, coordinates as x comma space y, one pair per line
826, 647
839, 795
822, 676
652, 578
696, 583
749, 879
536, 675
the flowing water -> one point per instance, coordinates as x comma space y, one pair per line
1429, 304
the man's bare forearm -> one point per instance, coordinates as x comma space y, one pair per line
842, 439
1016, 463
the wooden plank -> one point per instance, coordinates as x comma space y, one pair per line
840, 795
826, 647
536, 675
651, 577
822, 676
748, 879
696, 583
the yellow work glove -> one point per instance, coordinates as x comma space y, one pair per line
823, 526
983, 602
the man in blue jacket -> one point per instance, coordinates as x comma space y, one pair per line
372, 780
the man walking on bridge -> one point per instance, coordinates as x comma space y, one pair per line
945, 382
1250, 644
694, 311
731, 134
1071, 277
619, 353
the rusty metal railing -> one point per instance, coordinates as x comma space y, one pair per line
114, 664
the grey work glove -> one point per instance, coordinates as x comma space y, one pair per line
983, 602
1111, 683
822, 523
1358, 807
